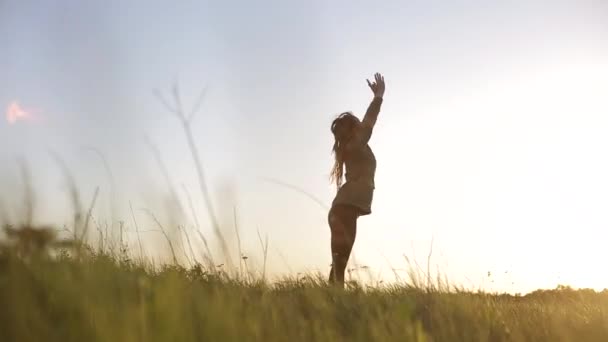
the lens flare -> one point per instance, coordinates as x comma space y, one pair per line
15, 113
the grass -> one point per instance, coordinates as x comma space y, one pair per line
64, 290
51, 291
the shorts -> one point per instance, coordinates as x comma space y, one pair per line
356, 193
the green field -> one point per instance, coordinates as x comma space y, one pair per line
69, 293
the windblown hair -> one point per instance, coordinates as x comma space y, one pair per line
342, 129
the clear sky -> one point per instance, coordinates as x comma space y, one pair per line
491, 141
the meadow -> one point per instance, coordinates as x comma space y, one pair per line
62, 290
57, 285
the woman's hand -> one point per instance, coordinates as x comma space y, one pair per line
377, 86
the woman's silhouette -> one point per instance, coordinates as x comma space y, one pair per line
353, 198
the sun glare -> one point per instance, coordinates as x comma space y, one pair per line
15, 113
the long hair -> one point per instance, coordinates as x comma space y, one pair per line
342, 129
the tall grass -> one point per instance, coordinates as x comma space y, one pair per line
56, 288
48, 293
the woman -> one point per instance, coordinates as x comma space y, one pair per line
353, 198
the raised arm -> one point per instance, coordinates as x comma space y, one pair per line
371, 115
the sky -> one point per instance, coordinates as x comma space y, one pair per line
490, 144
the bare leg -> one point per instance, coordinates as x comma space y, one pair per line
343, 225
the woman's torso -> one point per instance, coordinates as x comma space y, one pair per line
360, 165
